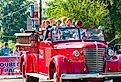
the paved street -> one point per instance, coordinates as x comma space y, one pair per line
21, 80
16, 78
11, 80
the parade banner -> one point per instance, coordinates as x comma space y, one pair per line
9, 65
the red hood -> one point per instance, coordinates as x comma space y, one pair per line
80, 45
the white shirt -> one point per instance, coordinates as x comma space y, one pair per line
16, 52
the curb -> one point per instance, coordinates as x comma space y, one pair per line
11, 77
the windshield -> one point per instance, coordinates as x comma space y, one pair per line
92, 34
72, 33
65, 34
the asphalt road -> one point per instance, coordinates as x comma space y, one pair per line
21, 80
11, 80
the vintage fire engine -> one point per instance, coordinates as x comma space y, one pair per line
66, 55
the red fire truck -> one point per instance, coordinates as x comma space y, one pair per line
67, 54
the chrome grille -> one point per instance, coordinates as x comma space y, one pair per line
94, 59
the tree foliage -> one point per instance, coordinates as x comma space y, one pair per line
11, 44
91, 12
114, 7
13, 16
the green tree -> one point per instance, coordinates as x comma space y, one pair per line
114, 7
13, 16
89, 11
11, 44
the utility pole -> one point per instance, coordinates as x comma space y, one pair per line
40, 10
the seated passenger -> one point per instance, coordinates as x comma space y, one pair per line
57, 36
43, 24
48, 28
89, 34
58, 22
63, 19
52, 21
69, 23
75, 36
100, 35
79, 24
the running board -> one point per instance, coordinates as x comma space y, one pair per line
42, 78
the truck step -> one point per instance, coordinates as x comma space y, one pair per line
46, 81
40, 76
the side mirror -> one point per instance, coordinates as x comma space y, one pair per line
116, 37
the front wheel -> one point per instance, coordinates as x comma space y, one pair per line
53, 72
117, 80
31, 79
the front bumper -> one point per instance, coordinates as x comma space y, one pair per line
111, 75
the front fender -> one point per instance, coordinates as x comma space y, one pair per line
35, 62
60, 64
64, 65
30, 61
114, 64
26, 61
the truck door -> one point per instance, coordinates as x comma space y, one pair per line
41, 53
41, 59
44, 55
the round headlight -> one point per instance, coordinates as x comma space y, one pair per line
76, 53
110, 52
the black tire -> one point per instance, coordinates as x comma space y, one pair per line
31, 79
117, 80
